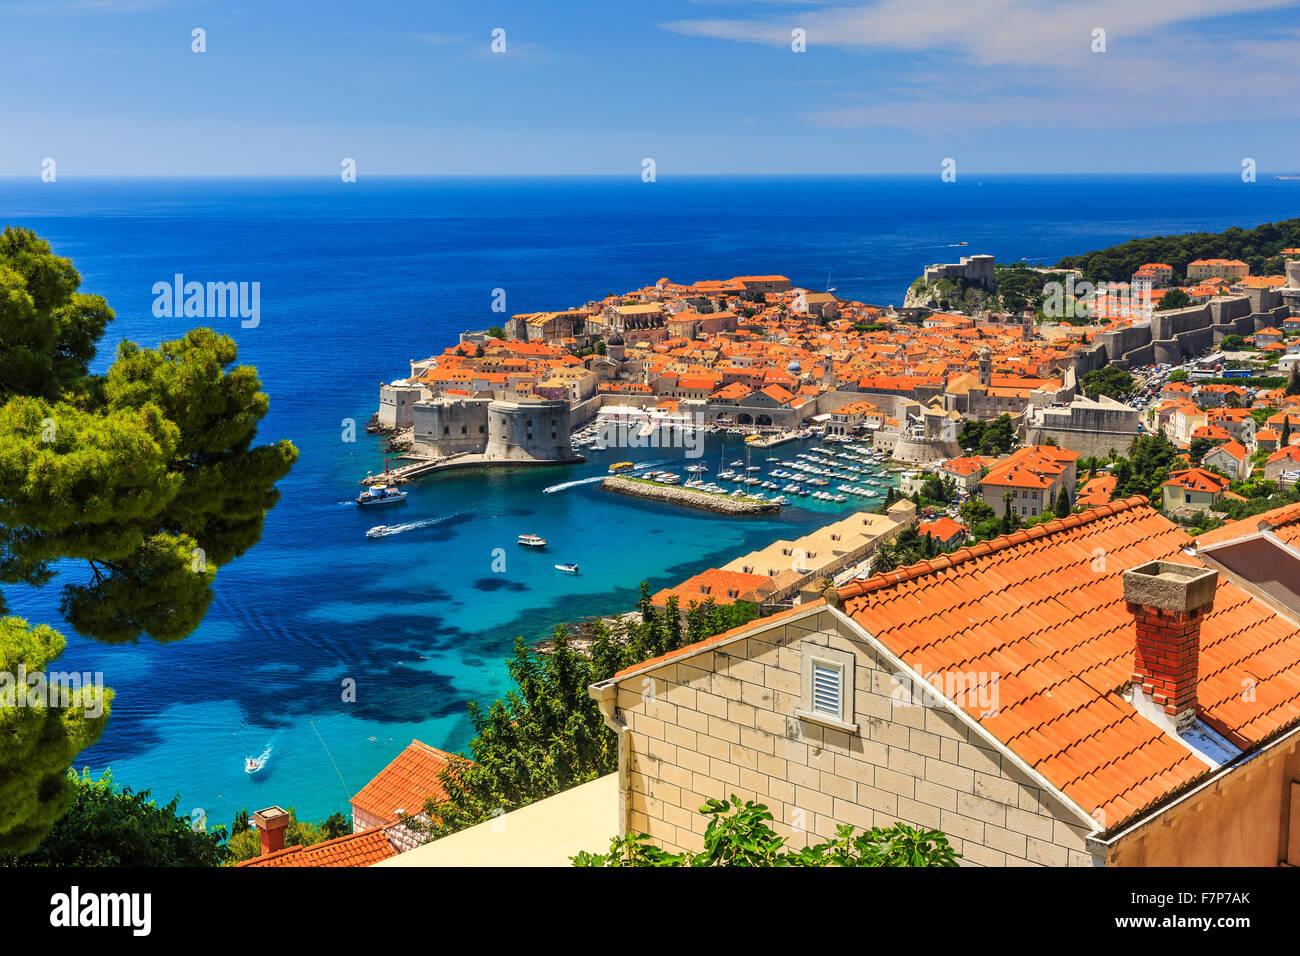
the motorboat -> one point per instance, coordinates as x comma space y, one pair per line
253, 764
567, 568
531, 541
381, 531
387, 494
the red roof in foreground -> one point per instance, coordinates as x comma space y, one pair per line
1043, 609
356, 849
405, 784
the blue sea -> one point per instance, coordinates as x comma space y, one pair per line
359, 278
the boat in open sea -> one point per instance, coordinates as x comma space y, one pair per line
567, 568
531, 541
381, 531
387, 494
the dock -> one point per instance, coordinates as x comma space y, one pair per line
673, 494
420, 467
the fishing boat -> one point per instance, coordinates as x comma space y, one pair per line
567, 568
531, 541
381, 496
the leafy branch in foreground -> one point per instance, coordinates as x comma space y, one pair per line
738, 835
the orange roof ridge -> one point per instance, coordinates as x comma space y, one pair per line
982, 548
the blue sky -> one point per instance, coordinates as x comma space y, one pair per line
893, 86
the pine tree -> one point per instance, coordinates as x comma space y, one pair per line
148, 474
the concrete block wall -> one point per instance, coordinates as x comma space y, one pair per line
723, 722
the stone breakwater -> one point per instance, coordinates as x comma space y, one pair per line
719, 504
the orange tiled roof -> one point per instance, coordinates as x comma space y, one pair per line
356, 849
1038, 610
407, 783
1196, 479
1283, 522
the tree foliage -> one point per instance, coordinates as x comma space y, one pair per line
740, 835
1110, 381
137, 484
1259, 248
111, 826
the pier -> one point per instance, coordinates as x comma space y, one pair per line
704, 500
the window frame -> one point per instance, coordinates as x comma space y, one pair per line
811, 654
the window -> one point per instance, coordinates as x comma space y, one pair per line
827, 693
827, 689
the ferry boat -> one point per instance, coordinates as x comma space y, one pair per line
620, 466
531, 541
567, 568
381, 496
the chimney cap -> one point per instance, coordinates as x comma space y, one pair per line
272, 818
1168, 586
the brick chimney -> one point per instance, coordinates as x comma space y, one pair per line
271, 824
1168, 601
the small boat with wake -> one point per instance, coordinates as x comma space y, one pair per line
381, 531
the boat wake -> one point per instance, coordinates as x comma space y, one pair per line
391, 529
258, 763
572, 484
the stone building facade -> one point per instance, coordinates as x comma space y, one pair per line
731, 719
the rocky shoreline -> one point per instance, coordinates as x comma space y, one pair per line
705, 501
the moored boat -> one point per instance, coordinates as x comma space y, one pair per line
387, 494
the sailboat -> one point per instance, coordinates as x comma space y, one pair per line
829, 287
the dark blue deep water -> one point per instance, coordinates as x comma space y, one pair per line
357, 279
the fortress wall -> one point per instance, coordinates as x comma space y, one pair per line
449, 428
528, 431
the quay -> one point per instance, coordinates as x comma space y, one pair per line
704, 500
428, 466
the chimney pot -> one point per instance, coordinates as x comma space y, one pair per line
1168, 601
271, 824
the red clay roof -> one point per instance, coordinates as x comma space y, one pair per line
1043, 609
1284, 522
406, 783
356, 849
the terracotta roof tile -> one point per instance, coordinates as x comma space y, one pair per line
1043, 612
405, 784
356, 849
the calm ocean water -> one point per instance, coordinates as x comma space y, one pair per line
356, 279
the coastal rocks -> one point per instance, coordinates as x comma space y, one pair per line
719, 504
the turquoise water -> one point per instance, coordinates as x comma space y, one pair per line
356, 281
